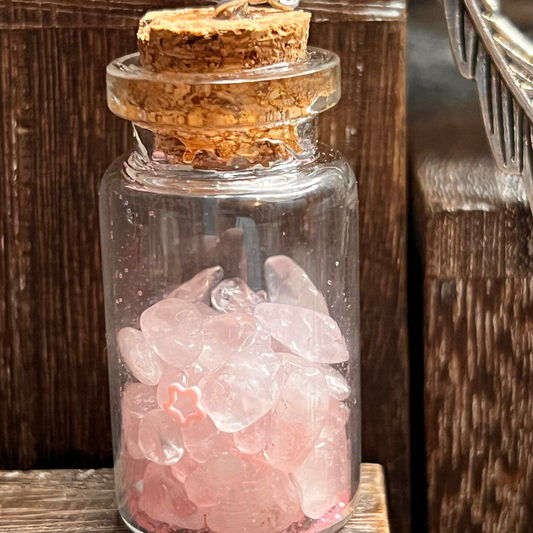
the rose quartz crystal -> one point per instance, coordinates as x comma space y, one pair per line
142, 361
205, 309
174, 329
241, 391
233, 296
129, 473
335, 423
202, 440
273, 444
313, 336
241, 495
253, 439
321, 478
160, 438
298, 418
199, 288
164, 499
184, 467
287, 283
233, 332
137, 400
337, 385
170, 375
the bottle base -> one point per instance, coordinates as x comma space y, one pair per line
331, 522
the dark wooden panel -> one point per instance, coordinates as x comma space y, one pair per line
475, 237
57, 139
478, 334
22, 14
75, 501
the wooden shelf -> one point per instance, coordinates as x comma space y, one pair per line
83, 501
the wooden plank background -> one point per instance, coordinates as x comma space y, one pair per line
475, 238
56, 140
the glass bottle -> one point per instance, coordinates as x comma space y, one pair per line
230, 257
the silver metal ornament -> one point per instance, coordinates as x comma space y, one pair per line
489, 49
240, 7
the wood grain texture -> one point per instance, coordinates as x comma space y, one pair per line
475, 238
76, 501
117, 14
57, 138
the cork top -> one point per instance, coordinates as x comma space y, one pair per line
195, 40
224, 92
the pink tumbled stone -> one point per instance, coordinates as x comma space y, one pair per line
234, 332
241, 495
234, 296
336, 421
197, 371
337, 385
313, 336
205, 309
253, 439
160, 438
298, 418
322, 478
241, 391
164, 499
202, 440
137, 400
169, 376
184, 467
129, 473
287, 283
199, 288
174, 330
142, 361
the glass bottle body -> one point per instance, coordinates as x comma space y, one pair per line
232, 313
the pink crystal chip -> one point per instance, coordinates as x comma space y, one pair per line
202, 440
205, 309
233, 332
174, 330
164, 499
137, 400
321, 478
184, 467
241, 391
313, 336
298, 418
287, 283
199, 288
129, 473
233, 296
160, 438
253, 439
334, 429
143, 362
337, 385
242, 495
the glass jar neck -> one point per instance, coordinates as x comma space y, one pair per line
229, 149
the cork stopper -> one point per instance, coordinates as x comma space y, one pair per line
224, 92
196, 40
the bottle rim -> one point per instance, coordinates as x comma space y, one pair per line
254, 98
